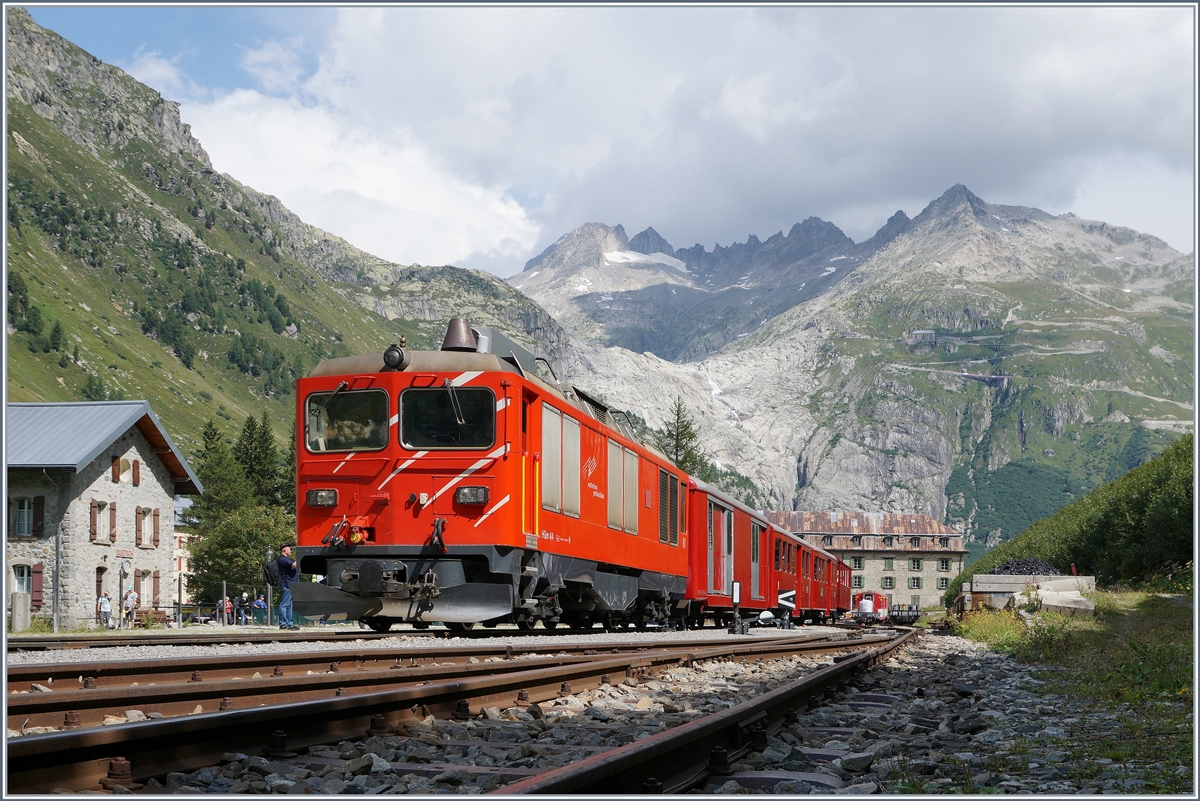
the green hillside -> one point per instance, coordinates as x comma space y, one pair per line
170, 282
1126, 529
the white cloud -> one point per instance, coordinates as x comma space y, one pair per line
276, 65
382, 192
162, 74
480, 135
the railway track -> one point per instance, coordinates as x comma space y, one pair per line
89, 695
234, 635
325, 708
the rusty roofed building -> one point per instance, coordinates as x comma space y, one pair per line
908, 557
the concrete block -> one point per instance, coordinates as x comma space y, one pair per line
1066, 603
1069, 583
1003, 583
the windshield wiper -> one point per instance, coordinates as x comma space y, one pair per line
458, 415
340, 387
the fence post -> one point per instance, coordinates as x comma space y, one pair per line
179, 602
221, 603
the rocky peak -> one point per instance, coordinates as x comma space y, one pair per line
814, 235
97, 105
899, 223
649, 241
587, 243
953, 204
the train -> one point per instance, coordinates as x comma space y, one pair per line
458, 486
871, 607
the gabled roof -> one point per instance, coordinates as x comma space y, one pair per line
68, 436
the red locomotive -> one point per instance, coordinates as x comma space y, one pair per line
457, 486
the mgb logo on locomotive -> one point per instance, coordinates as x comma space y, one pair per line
788, 599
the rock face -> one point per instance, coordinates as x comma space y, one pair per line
834, 402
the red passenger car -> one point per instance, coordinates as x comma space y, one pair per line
457, 486
734, 559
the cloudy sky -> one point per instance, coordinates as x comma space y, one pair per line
477, 136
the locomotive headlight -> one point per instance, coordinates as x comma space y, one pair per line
471, 496
393, 357
321, 497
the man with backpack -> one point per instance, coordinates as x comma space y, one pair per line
288, 575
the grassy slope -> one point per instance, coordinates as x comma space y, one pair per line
1047, 400
95, 303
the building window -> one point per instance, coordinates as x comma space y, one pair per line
943, 565
915, 542
944, 542
888, 542
914, 564
889, 582
22, 523
827, 540
943, 583
856, 541
856, 582
914, 583
22, 578
916, 600
889, 563
856, 563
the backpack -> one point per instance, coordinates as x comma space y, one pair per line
271, 572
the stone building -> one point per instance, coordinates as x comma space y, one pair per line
910, 558
90, 488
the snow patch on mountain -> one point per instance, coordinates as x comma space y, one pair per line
633, 257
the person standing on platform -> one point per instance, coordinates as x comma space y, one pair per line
288, 575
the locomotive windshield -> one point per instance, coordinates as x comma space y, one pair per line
347, 421
447, 417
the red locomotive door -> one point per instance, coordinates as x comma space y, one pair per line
529, 474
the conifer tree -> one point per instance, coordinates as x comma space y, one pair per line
680, 441
56, 336
226, 489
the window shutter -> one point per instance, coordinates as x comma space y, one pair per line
154, 599
36, 595
137, 585
137, 525
156, 528
112, 522
94, 520
39, 515
137, 472
116, 470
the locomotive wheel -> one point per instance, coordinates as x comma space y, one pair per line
420, 625
460, 626
551, 625
526, 625
378, 624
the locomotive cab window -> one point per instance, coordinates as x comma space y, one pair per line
347, 420
447, 418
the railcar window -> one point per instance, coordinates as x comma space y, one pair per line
551, 458
570, 466
615, 504
631, 492
447, 418
351, 420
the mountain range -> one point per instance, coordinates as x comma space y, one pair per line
980, 363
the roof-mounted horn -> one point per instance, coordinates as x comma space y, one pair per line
459, 336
